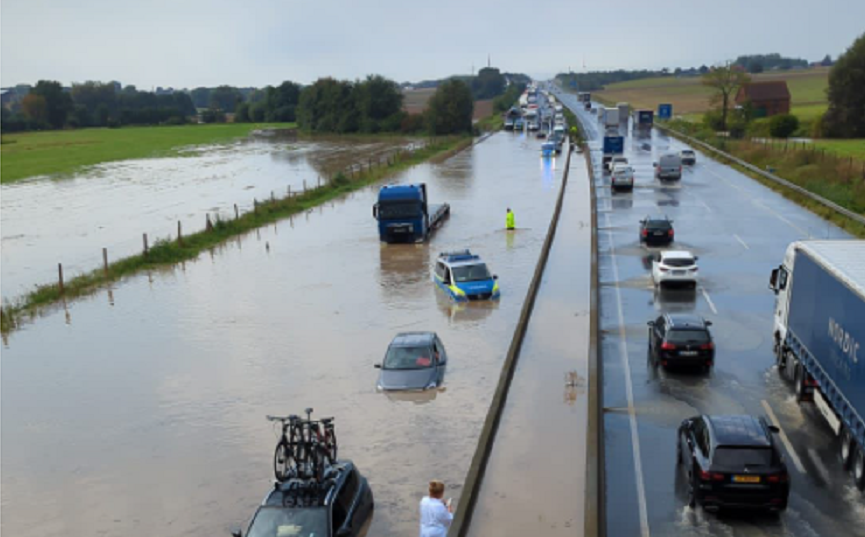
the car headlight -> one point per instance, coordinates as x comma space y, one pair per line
458, 291
495, 288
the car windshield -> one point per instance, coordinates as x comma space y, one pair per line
288, 522
743, 456
407, 358
398, 209
678, 261
471, 273
658, 224
688, 336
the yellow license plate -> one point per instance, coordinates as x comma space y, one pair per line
746, 479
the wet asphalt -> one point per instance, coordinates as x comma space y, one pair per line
534, 482
740, 230
139, 410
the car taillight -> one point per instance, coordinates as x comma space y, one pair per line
671, 233
711, 476
778, 478
645, 232
666, 346
707, 346
693, 269
663, 269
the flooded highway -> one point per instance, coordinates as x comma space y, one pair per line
534, 482
46, 221
140, 411
740, 230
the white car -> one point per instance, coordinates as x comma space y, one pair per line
622, 177
675, 267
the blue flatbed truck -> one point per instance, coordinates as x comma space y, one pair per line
404, 213
819, 333
613, 145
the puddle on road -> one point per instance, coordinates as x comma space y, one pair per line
69, 220
160, 399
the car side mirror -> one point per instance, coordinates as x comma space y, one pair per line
774, 429
708, 323
654, 164
495, 276
236, 533
773, 280
375, 211
651, 323
696, 258
377, 366
343, 532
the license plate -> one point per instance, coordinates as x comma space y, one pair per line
746, 479
688, 353
678, 273
658, 233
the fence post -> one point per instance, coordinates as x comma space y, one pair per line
236, 212
319, 182
60, 277
208, 225
105, 261
272, 197
255, 205
304, 186
179, 234
289, 191
146, 249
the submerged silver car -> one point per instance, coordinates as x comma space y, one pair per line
413, 361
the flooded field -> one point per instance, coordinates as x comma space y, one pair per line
141, 412
70, 220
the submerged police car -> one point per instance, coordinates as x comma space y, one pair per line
465, 276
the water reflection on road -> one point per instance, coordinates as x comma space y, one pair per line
147, 417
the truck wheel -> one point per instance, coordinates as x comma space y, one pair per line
859, 468
847, 447
799, 383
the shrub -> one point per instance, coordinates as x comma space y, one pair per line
713, 120
783, 125
412, 123
759, 128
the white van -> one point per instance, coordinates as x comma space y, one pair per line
669, 167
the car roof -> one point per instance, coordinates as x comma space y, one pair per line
739, 431
685, 321
413, 339
677, 254
283, 493
663, 218
463, 258
686, 151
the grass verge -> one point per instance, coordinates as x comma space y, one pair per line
492, 123
31, 154
812, 170
165, 253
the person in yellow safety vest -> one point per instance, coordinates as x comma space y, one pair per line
509, 220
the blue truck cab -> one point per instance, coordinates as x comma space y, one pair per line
464, 276
405, 215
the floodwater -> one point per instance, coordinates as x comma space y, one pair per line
69, 220
534, 483
141, 412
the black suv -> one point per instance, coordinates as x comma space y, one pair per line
656, 230
681, 339
732, 461
340, 506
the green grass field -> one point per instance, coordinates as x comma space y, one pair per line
689, 96
63, 152
844, 148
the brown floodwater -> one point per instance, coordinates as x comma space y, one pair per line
140, 412
69, 220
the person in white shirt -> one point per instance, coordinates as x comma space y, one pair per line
435, 515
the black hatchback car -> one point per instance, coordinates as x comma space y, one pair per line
413, 361
681, 339
732, 461
340, 506
655, 231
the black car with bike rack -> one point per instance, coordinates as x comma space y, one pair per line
314, 494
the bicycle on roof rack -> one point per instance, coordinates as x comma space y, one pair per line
305, 449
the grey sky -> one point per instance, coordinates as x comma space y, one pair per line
189, 43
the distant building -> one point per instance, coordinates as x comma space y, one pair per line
6, 97
766, 98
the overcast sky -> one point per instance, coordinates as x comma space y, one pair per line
189, 43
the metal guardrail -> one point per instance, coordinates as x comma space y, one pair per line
472, 483
771, 176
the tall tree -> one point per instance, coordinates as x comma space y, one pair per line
281, 101
377, 99
845, 117
57, 101
450, 108
35, 108
725, 81
225, 98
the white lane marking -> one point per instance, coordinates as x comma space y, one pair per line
760, 204
797, 462
818, 463
629, 389
738, 238
703, 203
709, 301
